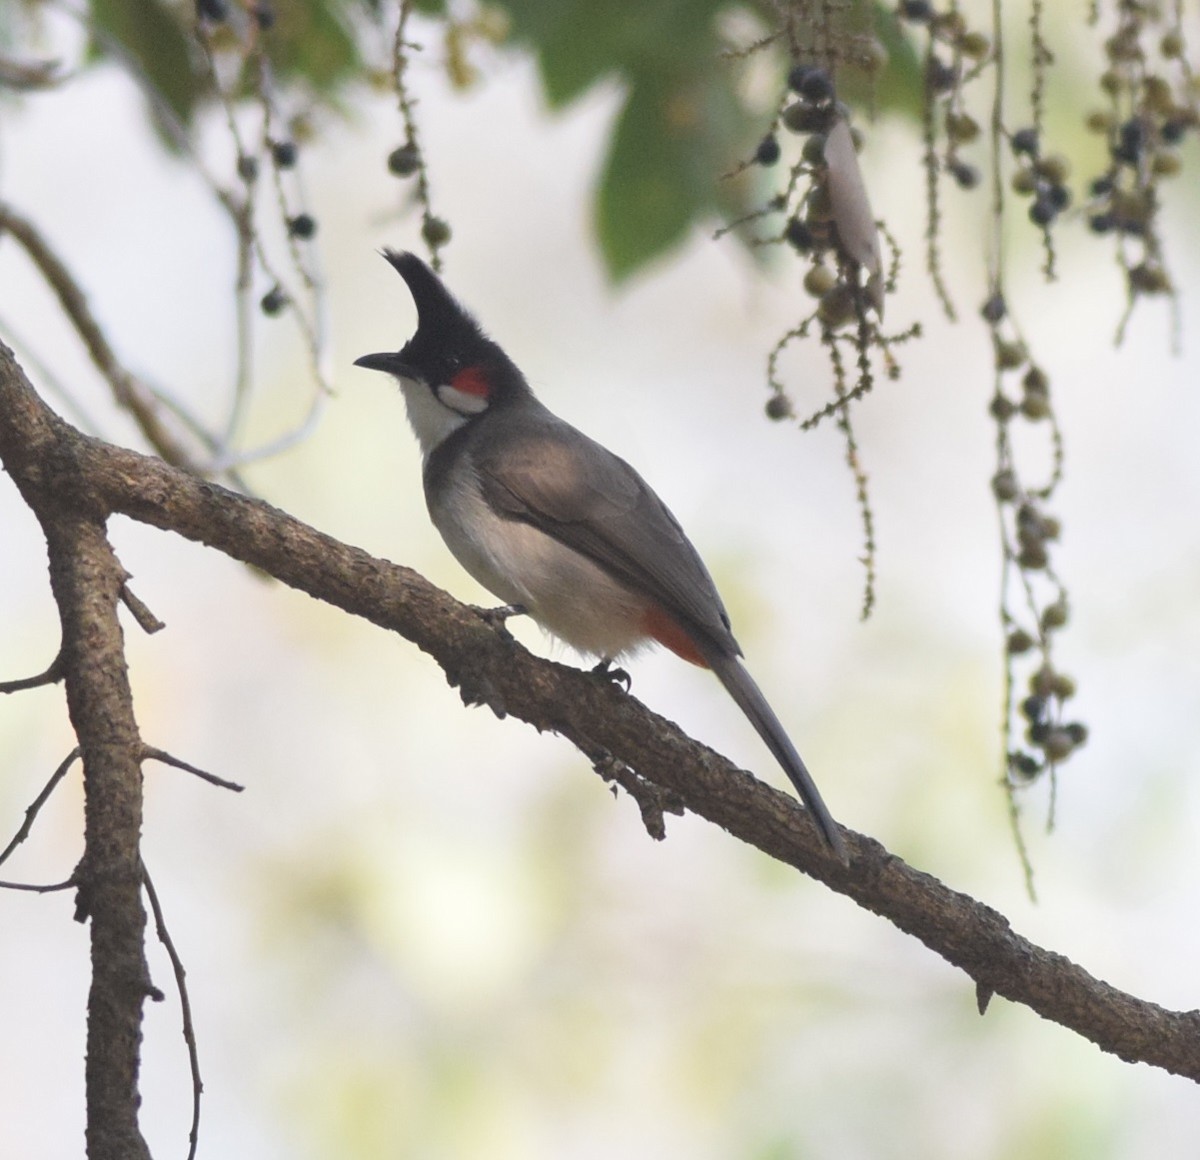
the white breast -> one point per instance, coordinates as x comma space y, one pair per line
563, 591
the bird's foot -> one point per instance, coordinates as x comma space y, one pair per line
497, 618
610, 672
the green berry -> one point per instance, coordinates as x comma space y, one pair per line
435, 231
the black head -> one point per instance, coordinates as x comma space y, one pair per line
449, 353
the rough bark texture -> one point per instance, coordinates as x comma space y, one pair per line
86, 581
74, 482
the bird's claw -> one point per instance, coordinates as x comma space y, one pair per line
613, 674
497, 618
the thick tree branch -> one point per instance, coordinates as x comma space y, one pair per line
86, 578
607, 725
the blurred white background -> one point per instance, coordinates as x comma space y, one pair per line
422, 932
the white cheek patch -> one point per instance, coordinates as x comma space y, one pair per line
461, 401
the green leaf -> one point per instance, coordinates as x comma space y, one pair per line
312, 41
577, 42
157, 41
644, 205
676, 134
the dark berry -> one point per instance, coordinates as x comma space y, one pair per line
1059, 195
1101, 186
817, 86
814, 149
1172, 131
1131, 140
265, 15
811, 81
994, 308
918, 11
284, 153
1025, 765
1043, 210
303, 225
778, 407
1025, 141
798, 235
801, 117
940, 76
247, 167
797, 76
274, 301
1034, 708
214, 10
768, 151
967, 176
1077, 731
404, 161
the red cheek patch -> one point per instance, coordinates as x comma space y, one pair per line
656, 623
472, 381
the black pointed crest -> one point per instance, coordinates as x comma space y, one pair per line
438, 312
448, 339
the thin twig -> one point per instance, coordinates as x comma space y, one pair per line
150, 753
35, 888
147, 621
185, 1007
51, 676
35, 808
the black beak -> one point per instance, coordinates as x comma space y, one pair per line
389, 362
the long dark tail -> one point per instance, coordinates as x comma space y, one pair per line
741, 687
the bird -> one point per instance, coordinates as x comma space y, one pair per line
556, 525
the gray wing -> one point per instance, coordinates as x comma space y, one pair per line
554, 477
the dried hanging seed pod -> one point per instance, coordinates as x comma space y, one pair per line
851, 210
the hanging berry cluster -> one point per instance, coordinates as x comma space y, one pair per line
1034, 603
1151, 103
829, 224
477, 26
266, 148
955, 54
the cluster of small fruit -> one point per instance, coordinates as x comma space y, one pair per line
955, 54
817, 223
1153, 104
1029, 532
302, 226
404, 162
240, 30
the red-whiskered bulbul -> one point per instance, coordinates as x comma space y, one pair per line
552, 522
